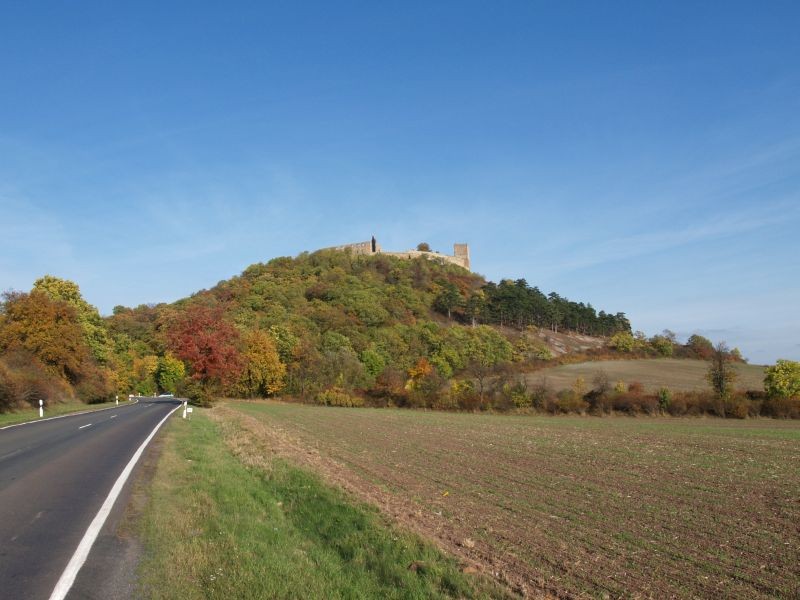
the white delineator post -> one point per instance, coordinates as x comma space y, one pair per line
116, 399
41, 408
184, 409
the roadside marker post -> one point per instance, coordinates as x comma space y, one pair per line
184, 408
41, 408
189, 410
116, 399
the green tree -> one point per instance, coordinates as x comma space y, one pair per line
662, 344
448, 299
782, 380
721, 375
94, 329
170, 372
424, 247
374, 362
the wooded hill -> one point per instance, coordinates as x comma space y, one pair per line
342, 329
329, 326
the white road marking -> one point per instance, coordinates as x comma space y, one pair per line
113, 417
12, 453
83, 426
75, 414
82, 552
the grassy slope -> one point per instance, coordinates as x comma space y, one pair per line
676, 374
626, 507
54, 410
215, 528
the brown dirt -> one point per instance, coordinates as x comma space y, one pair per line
566, 507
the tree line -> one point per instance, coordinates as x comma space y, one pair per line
327, 327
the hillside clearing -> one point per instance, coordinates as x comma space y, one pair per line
568, 506
673, 373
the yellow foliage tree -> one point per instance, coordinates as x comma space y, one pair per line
263, 373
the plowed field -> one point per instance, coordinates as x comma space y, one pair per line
568, 506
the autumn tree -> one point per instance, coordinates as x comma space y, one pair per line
622, 341
202, 338
94, 329
144, 374
700, 346
263, 372
48, 329
424, 247
782, 380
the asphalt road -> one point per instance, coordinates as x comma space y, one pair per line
54, 476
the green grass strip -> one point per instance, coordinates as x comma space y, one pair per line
215, 528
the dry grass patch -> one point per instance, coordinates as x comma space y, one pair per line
673, 373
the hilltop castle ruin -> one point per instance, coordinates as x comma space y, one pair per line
460, 255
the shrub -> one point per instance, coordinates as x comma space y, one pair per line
635, 388
8, 389
599, 403
541, 395
514, 394
462, 394
634, 404
782, 408
677, 406
737, 407
568, 401
664, 399
338, 397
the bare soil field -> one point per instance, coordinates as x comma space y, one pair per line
673, 373
567, 507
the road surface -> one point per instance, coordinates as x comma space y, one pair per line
54, 477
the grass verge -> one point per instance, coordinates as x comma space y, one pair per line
215, 528
53, 410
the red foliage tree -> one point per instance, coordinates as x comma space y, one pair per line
209, 344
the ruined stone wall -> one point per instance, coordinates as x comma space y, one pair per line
460, 252
462, 260
358, 247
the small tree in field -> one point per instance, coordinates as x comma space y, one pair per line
721, 375
622, 341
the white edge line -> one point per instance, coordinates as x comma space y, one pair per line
82, 552
84, 426
74, 414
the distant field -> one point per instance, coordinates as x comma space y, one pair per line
676, 374
568, 506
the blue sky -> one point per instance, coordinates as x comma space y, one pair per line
642, 157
